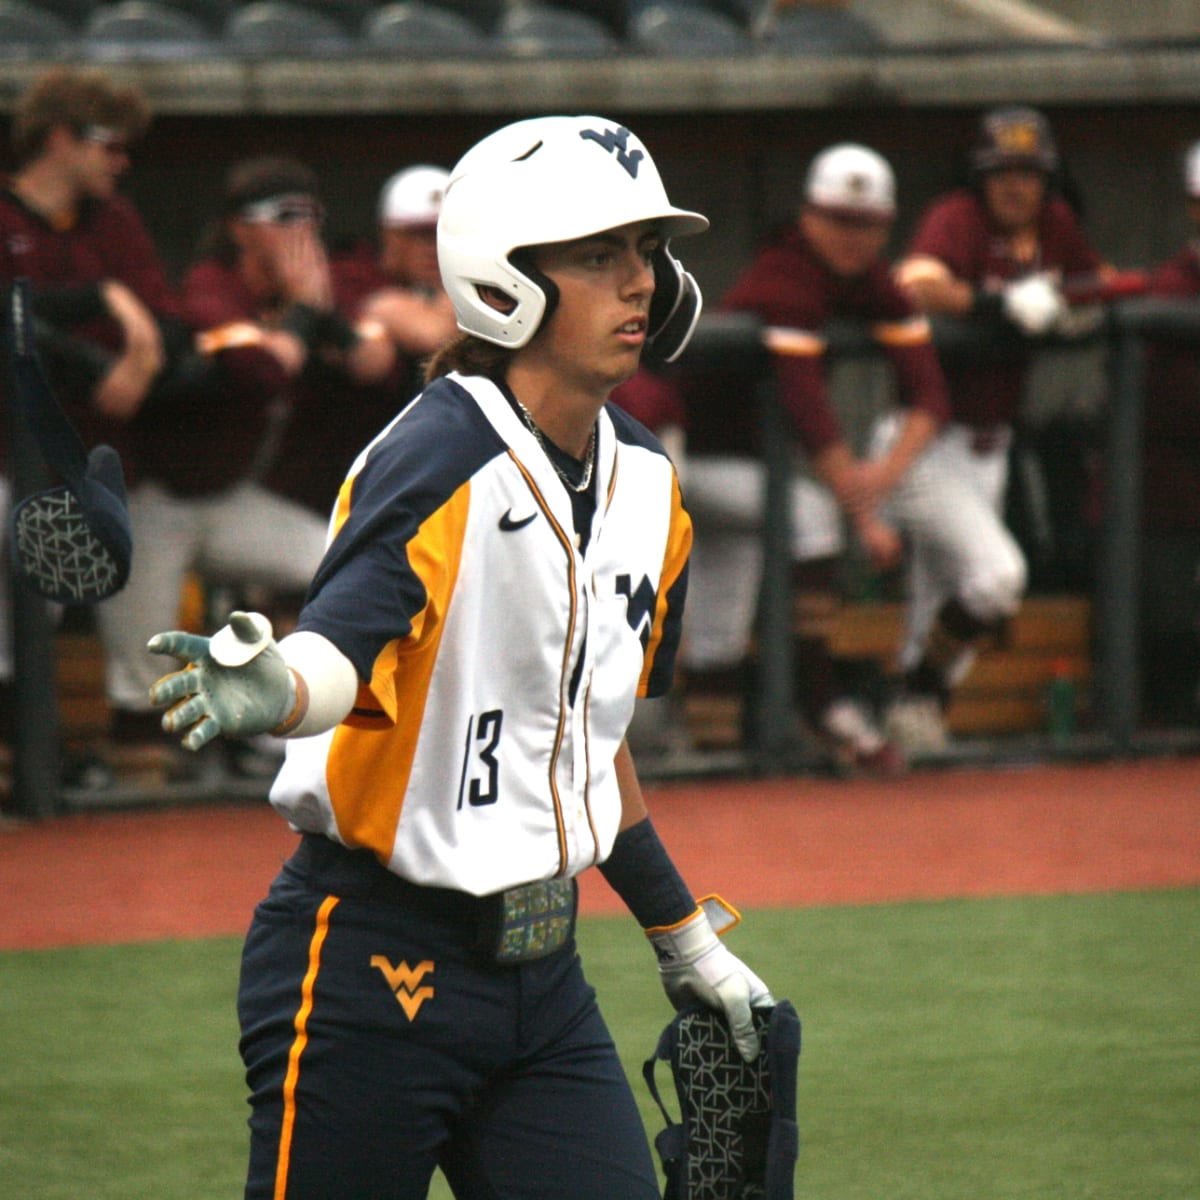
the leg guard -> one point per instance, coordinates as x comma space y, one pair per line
737, 1138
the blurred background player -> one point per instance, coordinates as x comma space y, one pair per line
270, 341
827, 264
1170, 502
397, 282
998, 250
391, 288
97, 282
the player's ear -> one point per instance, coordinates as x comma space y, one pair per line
493, 297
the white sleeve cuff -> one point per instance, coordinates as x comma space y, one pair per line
328, 674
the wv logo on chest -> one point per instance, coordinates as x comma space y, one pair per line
618, 140
405, 982
639, 606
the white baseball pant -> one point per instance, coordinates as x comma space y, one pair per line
725, 499
949, 506
245, 534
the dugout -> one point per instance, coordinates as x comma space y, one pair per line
732, 135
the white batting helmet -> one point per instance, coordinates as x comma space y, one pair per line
555, 179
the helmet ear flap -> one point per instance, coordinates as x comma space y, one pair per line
674, 309
522, 259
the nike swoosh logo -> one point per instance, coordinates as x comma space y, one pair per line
508, 524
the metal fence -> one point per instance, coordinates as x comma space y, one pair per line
736, 342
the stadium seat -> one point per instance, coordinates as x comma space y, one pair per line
139, 29
27, 32
212, 14
545, 31
686, 30
418, 30
73, 12
279, 29
814, 30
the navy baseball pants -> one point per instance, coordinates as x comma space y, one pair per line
381, 1042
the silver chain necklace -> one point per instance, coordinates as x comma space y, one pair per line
589, 454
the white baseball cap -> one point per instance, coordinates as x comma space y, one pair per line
1191, 171
413, 197
854, 180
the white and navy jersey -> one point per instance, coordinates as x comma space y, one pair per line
499, 662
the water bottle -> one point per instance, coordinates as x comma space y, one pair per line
1060, 703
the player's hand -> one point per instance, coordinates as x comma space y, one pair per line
1034, 304
883, 544
695, 967
234, 683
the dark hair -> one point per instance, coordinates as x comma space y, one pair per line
261, 178
246, 182
469, 355
75, 99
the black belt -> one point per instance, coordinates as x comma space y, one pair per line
516, 925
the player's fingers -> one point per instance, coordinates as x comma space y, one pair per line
189, 646
175, 686
734, 995
185, 714
202, 734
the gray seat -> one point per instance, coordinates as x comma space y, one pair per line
212, 14
544, 31
140, 29
28, 32
420, 30
684, 30
74, 12
821, 31
278, 29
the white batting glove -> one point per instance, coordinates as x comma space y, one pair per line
1034, 304
235, 682
695, 967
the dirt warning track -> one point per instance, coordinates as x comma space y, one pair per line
198, 871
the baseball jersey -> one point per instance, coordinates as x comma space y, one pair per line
499, 663
791, 289
957, 231
236, 407
65, 264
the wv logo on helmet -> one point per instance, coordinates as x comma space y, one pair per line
405, 982
618, 140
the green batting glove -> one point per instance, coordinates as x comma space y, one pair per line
235, 682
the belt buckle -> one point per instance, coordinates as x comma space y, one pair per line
536, 919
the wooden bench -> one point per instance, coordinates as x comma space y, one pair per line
1005, 693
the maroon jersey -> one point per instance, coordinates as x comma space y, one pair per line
106, 241
1171, 474
792, 290
227, 416
332, 417
958, 231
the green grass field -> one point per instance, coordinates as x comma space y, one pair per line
1041, 1049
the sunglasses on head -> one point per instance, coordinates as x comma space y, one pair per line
283, 210
112, 140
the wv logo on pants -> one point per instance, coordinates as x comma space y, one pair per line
405, 982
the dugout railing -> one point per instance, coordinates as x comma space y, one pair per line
736, 342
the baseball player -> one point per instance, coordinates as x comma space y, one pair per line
95, 276
827, 265
505, 575
1000, 250
261, 300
